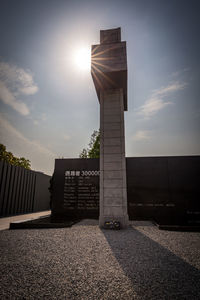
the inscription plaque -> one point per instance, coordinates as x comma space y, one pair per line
81, 190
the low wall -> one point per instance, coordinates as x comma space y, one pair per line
162, 188
75, 195
22, 191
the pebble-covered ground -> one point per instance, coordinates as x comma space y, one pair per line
85, 262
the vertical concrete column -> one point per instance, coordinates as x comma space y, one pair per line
113, 193
109, 73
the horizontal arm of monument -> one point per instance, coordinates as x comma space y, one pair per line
109, 67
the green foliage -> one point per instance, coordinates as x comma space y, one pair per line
84, 153
93, 150
11, 159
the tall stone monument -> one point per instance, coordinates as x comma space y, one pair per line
109, 73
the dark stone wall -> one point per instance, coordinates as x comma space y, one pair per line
42, 195
59, 210
162, 188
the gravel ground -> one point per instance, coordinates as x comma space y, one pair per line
85, 262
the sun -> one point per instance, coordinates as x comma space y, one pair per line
82, 58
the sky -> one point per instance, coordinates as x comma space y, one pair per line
48, 104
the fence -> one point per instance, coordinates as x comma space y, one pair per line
22, 191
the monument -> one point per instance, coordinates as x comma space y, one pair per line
161, 188
109, 73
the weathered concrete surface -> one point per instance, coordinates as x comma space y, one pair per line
109, 63
109, 73
113, 195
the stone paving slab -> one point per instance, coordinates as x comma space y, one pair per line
85, 262
5, 222
41, 223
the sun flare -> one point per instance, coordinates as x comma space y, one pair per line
82, 59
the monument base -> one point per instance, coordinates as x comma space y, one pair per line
124, 220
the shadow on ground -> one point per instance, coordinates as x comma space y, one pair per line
155, 272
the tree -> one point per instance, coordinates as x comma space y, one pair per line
93, 150
84, 153
13, 160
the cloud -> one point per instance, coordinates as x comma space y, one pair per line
180, 72
29, 90
14, 83
142, 135
41, 157
66, 137
152, 106
41, 118
157, 99
35, 122
8, 98
164, 91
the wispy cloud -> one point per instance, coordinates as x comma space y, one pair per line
36, 122
173, 87
41, 118
8, 98
180, 72
14, 83
41, 157
157, 100
142, 135
152, 106
66, 137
